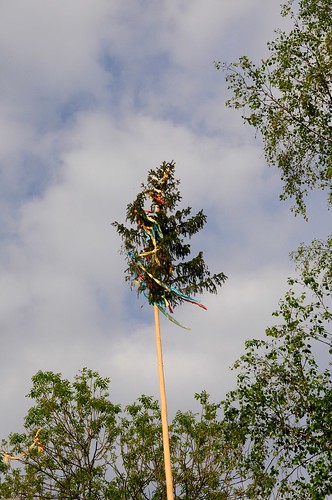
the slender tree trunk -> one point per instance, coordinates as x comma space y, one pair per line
163, 407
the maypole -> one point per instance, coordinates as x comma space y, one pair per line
155, 250
163, 409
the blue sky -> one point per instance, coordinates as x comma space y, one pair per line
93, 95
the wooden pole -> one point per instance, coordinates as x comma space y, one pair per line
163, 408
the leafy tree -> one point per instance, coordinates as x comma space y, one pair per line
283, 398
288, 99
206, 451
139, 470
91, 449
155, 244
78, 433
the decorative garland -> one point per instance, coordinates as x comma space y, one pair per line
155, 246
154, 233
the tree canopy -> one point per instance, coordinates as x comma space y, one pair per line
283, 398
287, 97
89, 448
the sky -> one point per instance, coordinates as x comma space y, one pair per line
93, 95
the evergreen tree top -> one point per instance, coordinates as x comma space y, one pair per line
156, 245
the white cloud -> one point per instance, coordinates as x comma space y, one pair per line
51, 45
64, 303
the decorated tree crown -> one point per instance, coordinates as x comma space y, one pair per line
155, 245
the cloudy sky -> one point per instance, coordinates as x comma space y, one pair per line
93, 94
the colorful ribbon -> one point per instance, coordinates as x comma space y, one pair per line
141, 280
36, 442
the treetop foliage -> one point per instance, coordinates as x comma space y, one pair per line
288, 99
95, 450
156, 244
283, 397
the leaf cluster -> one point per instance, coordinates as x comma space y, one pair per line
283, 397
288, 99
78, 432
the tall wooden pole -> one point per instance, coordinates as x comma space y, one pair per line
163, 407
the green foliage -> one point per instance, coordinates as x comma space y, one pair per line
283, 398
78, 434
140, 466
92, 450
155, 247
205, 451
288, 99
